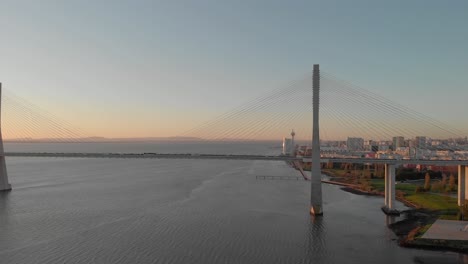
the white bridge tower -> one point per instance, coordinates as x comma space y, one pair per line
316, 171
4, 184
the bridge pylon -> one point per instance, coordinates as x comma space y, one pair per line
316, 171
4, 184
390, 180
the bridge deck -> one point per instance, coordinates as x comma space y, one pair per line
233, 157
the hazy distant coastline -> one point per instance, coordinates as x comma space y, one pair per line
99, 139
128, 140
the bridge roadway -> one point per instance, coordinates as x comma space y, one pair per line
235, 157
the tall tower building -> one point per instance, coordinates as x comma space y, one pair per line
293, 144
420, 142
398, 142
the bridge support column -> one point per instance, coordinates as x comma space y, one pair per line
316, 171
389, 207
4, 184
462, 184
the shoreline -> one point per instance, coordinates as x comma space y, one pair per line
356, 189
410, 229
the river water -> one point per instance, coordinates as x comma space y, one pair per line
65, 210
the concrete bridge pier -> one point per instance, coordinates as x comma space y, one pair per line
316, 171
389, 207
462, 185
4, 184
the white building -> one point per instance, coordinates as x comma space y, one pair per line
398, 142
355, 144
371, 145
287, 146
420, 142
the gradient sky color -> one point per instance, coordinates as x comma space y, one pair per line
159, 68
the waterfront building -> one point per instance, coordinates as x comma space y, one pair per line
409, 143
371, 145
383, 147
420, 142
403, 151
287, 145
398, 142
355, 144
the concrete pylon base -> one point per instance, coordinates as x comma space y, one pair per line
316, 210
389, 211
4, 184
5, 188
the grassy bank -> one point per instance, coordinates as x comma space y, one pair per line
405, 192
433, 201
428, 208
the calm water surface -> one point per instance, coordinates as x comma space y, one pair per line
187, 211
175, 147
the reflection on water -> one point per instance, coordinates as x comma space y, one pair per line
440, 260
390, 219
4, 208
317, 244
183, 211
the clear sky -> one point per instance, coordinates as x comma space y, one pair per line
157, 68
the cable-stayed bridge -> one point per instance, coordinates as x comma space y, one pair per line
232, 157
344, 110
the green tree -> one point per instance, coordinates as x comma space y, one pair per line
444, 179
452, 186
427, 182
